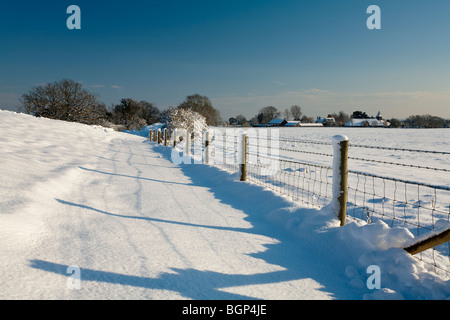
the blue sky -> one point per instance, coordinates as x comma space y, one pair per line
244, 55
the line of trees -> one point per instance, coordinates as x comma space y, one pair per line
267, 114
424, 121
294, 113
66, 100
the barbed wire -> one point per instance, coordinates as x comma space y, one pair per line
297, 151
399, 149
399, 164
438, 187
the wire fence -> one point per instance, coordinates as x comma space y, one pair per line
378, 188
303, 170
307, 182
402, 202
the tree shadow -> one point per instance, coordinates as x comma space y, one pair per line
150, 219
190, 283
309, 258
313, 256
132, 177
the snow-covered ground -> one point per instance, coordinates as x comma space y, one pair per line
403, 180
136, 226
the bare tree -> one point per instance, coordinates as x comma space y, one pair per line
64, 100
149, 112
306, 119
287, 114
296, 112
341, 118
129, 114
203, 106
241, 120
267, 114
395, 123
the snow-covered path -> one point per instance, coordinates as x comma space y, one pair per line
140, 227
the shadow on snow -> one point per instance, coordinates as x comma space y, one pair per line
309, 257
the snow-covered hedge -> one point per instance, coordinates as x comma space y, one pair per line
184, 119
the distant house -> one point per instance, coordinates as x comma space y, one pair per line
292, 124
329, 121
376, 122
298, 124
277, 123
288, 124
310, 125
233, 122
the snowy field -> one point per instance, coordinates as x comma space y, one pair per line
400, 170
137, 226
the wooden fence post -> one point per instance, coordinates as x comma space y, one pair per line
340, 174
165, 137
174, 133
206, 147
150, 135
188, 143
243, 159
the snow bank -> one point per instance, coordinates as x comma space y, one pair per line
39, 156
359, 245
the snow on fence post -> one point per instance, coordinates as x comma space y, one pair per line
340, 173
243, 160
